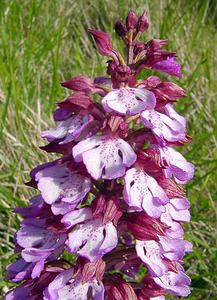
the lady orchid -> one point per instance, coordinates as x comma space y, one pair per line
114, 198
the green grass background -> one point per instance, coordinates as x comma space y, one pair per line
44, 41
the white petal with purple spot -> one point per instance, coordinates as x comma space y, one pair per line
151, 254
143, 192
178, 166
93, 239
104, 156
164, 127
59, 183
176, 283
129, 101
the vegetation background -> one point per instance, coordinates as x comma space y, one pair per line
45, 41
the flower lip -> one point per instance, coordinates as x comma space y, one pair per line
142, 192
129, 101
104, 156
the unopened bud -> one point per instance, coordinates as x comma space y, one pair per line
79, 83
131, 20
143, 23
103, 42
75, 102
120, 28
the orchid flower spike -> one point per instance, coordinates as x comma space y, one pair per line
113, 198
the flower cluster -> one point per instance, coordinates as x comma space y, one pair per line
114, 199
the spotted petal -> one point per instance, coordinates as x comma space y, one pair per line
59, 183
66, 286
175, 283
69, 129
104, 156
150, 253
155, 254
170, 126
178, 166
129, 101
93, 239
144, 193
34, 234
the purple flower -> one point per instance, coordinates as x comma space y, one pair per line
92, 236
35, 209
33, 288
58, 183
150, 253
170, 126
19, 270
77, 216
178, 166
129, 101
69, 129
40, 243
142, 192
169, 66
104, 156
176, 211
175, 282
93, 239
69, 285
155, 254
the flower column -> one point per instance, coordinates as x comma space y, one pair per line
114, 199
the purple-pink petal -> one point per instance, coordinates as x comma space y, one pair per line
39, 243
19, 270
175, 283
61, 114
169, 66
59, 183
176, 211
52, 291
77, 216
34, 209
69, 129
